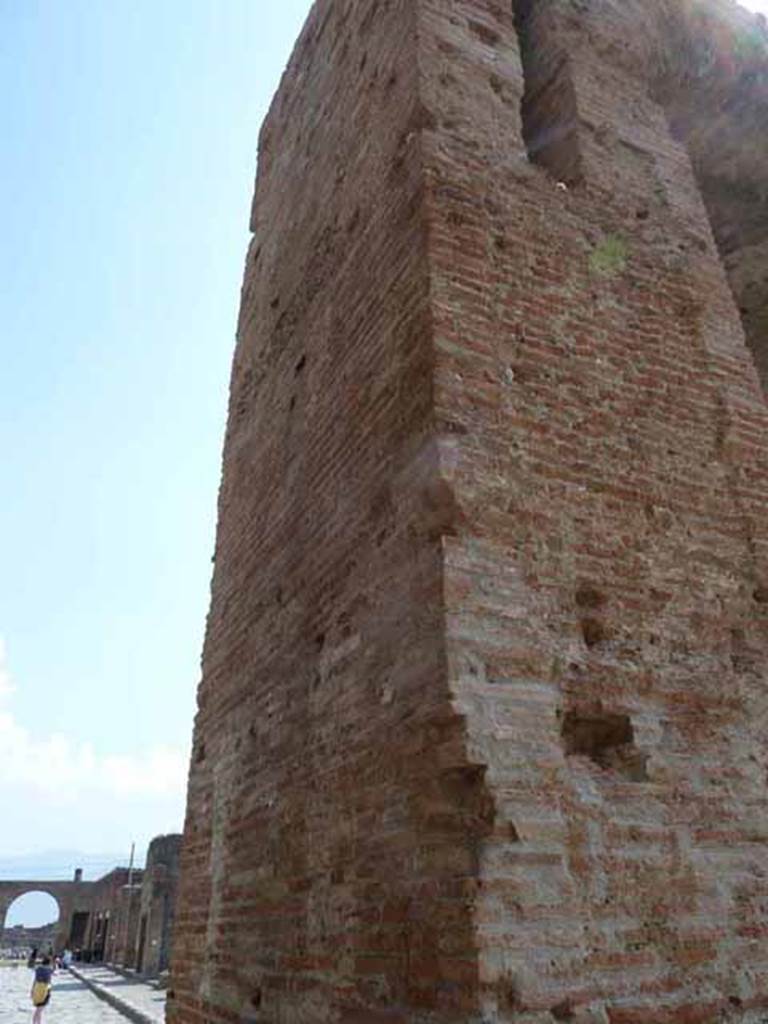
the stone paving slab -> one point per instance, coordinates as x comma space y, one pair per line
137, 1000
72, 1002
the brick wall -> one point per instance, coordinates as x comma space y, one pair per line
107, 936
481, 724
73, 898
151, 947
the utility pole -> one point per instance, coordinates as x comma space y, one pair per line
128, 892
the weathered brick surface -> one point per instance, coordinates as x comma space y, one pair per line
68, 896
481, 730
151, 949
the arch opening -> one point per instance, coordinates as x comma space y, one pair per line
30, 922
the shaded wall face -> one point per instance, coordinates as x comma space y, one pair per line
124, 918
157, 911
109, 919
723, 122
79, 930
606, 613
153, 938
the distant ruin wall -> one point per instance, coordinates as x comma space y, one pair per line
481, 730
70, 897
157, 906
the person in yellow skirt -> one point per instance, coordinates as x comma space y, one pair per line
41, 989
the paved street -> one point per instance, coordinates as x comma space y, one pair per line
71, 1002
137, 994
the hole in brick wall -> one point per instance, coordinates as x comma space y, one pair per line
354, 220
508, 995
563, 1010
466, 790
549, 112
588, 596
497, 84
592, 735
593, 631
487, 35
607, 739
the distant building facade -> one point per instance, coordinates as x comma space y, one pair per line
124, 918
157, 906
18, 941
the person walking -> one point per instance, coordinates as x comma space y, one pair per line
41, 989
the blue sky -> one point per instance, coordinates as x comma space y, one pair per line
129, 133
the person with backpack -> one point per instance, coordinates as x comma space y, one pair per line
41, 989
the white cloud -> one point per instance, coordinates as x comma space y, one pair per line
58, 789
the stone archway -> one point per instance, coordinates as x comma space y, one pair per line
71, 897
41, 932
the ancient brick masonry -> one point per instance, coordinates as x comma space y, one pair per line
481, 729
90, 913
157, 906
